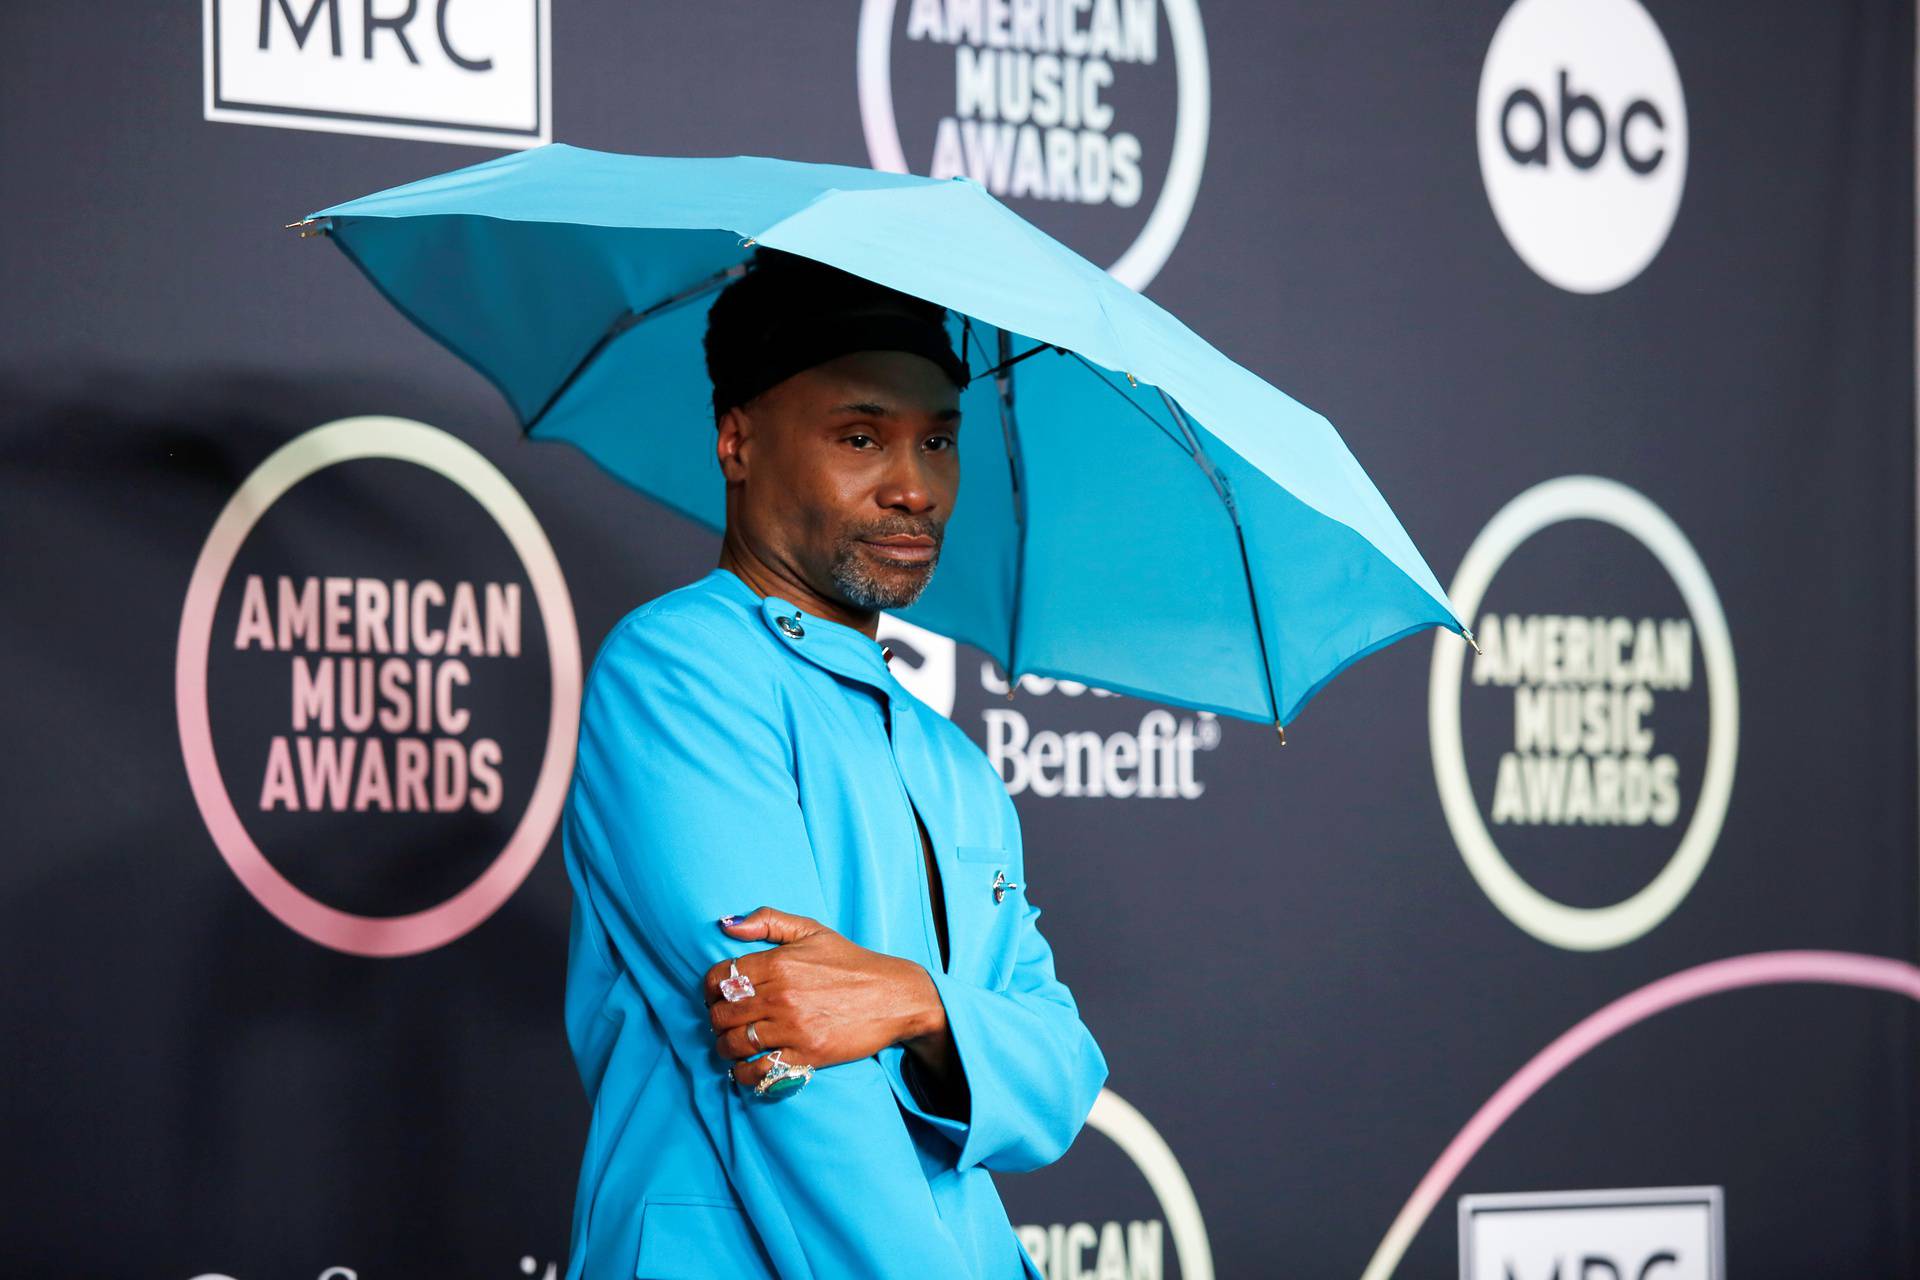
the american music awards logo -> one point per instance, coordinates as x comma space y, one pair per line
1088, 116
1585, 757
378, 713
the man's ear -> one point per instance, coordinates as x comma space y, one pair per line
732, 434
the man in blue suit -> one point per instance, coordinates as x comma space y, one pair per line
805, 987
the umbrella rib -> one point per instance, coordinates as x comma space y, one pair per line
1004, 365
968, 338
1225, 493
1010, 435
1127, 400
627, 320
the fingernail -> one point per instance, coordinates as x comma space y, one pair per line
731, 920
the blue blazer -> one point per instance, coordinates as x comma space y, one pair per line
724, 764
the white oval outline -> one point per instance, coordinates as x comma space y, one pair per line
1586, 928
1136, 268
348, 440
1134, 1134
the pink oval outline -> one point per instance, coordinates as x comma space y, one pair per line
1759, 969
347, 440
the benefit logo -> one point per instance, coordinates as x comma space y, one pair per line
1089, 116
1113, 751
1582, 131
378, 680
1597, 730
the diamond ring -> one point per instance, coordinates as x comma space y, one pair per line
736, 986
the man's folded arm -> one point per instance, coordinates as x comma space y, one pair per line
1033, 1069
685, 809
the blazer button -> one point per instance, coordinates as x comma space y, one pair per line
791, 626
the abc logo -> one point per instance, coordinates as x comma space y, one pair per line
1583, 139
1572, 105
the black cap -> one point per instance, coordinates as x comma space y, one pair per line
790, 313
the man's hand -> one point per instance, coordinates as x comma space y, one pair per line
823, 999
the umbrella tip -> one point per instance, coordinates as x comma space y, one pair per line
1282, 732
1468, 635
308, 227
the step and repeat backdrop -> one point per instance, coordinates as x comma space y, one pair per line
1588, 957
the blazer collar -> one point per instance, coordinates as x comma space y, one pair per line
832, 645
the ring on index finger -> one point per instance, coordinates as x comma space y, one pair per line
736, 986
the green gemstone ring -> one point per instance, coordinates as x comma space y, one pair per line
781, 1078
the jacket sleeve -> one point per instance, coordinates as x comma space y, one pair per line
1033, 1069
684, 808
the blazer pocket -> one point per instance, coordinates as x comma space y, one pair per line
980, 852
693, 1239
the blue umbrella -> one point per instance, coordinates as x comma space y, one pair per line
1150, 517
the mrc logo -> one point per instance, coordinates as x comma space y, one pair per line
1655, 1233
470, 71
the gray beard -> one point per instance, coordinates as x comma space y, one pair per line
861, 588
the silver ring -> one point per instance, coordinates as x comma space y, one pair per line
753, 1037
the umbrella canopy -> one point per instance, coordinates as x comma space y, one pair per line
1148, 516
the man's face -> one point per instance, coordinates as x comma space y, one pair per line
845, 475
